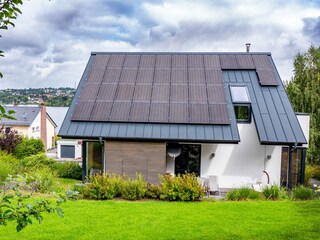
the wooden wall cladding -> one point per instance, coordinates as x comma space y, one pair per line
129, 158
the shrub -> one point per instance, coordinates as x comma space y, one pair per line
68, 170
8, 165
272, 192
41, 179
312, 171
153, 191
243, 193
105, 186
30, 163
302, 193
182, 187
9, 140
133, 189
28, 147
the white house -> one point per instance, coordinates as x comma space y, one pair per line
220, 114
32, 122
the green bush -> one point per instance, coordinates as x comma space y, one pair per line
68, 170
30, 163
243, 193
302, 193
312, 171
105, 186
273, 192
8, 165
41, 179
153, 191
28, 147
133, 189
184, 187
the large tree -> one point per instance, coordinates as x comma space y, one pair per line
304, 93
8, 12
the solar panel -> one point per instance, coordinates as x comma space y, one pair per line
112, 76
219, 114
179, 93
145, 75
96, 76
245, 62
101, 111
101, 61
131, 61
216, 94
195, 61
90, 92
261, 62
160, 93
159, 112
128, 76
199, 113
124, 92
228, 62
179, 76
120, 111
142, 93
198, 93
196, 76
162, 76
179, 112
212, 62
116, 61
179, 61
163, 61
267, 77
107, 92
147, 61
214, 76
139, 112
83, 110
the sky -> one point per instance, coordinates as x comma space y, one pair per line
52, 40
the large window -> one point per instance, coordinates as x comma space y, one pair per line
189, 159
241, 102
95, 157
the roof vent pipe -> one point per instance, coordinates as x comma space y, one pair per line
248, 47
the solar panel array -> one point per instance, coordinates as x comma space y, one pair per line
162, 88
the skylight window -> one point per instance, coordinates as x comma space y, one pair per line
239, 94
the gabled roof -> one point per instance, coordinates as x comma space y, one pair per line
178, 97
24, 115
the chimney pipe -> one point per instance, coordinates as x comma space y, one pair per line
248, 47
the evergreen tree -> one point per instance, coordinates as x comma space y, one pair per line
304, 93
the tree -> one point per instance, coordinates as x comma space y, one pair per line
8, 12
304, 93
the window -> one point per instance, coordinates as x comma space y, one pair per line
188, 160
241, 102
243, 113
240, 94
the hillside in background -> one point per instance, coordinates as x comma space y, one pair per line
55, 97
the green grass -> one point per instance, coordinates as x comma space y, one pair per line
177, 220
63, 184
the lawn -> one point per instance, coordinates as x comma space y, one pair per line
176, 220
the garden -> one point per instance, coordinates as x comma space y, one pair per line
110, 206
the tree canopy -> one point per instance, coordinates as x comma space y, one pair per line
304, 93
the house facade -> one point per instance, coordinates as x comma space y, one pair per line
32, 122
222, 114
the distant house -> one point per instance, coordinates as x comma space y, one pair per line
221, 114
32, 121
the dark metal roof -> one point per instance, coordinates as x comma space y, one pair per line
275, 120
178, 97
24, 115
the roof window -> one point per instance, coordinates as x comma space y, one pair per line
239, 94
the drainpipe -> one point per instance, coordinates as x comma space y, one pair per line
289, 176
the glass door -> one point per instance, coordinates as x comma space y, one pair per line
95, 158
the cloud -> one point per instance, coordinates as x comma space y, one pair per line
312, 28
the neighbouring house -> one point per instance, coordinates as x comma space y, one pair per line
222, 114
32, 122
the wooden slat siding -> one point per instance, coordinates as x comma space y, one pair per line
148, 159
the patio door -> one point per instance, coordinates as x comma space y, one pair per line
94, 157
188, 160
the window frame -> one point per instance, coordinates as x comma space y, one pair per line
241, 103
249, 112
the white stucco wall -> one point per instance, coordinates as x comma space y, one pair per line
36, 126
304, 120
70, 142
242, 164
